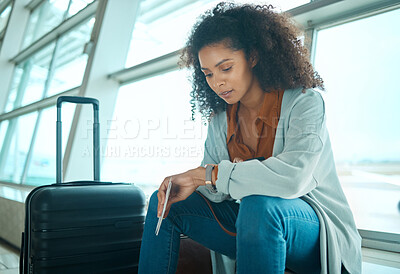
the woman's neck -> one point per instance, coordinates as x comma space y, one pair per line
252, 104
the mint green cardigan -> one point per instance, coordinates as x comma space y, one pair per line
301, 165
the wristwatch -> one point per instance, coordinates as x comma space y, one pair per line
209, 185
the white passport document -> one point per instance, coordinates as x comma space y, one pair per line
160, 219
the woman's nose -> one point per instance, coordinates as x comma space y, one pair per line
218, 82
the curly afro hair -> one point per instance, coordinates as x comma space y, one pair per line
283, 63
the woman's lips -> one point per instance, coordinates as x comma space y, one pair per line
225, 94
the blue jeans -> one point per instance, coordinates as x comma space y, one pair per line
272, 233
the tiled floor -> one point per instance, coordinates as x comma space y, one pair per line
9, 260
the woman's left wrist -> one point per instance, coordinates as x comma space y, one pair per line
199, 176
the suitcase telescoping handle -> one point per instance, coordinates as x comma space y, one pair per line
96, 134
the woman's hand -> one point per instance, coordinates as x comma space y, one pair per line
237, 160
183, 185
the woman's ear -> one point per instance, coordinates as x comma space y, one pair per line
253, 59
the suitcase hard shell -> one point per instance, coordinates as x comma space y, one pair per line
83, 226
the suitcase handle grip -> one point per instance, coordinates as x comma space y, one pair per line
96, 134
78, 100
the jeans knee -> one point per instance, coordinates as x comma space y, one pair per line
257, 214
256, 206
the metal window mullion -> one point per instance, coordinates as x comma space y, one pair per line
49, 101
23, 83
5, 149
308, 40
16, 154
4, 5
311, 6
18, 100
33, 4
99, 16
313, 37
380, 240
30, 150
52, 68
39, 22
65, 16
156, 66
49, 79
27, 67
338, 18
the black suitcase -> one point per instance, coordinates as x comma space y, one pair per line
82, 226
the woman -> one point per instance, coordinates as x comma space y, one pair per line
252, 78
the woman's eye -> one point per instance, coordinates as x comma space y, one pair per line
226, 69
208, 75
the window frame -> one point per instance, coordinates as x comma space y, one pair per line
3, 7
55, 33
53, 36
374, 239
370, 238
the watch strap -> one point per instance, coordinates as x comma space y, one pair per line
209, 185
209, 169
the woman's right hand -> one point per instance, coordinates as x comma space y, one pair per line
183, 185
237, 160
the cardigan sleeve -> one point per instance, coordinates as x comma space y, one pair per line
290, 173
214, 151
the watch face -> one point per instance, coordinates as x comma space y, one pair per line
210, 187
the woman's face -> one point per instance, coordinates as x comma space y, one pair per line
228, 72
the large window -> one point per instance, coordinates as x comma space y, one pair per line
163, 27
19, 133
57, 67
70, 59
151, 135
5, 10
4, 15
27, 152
359, 63
28, 146
48, 15
165, 139
29, 82
41, 169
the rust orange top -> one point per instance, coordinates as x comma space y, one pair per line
265, 128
